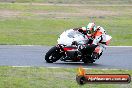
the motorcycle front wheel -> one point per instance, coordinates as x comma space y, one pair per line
53, 55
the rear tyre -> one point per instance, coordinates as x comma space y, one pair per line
88, 60
91, 61
52, 55
85, 60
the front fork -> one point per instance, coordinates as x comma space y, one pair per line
61, 50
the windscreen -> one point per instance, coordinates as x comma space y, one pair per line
73, 34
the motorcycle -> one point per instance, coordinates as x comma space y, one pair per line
67, 49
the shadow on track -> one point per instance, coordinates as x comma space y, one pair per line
77, 64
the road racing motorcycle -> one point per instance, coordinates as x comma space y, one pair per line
67, 49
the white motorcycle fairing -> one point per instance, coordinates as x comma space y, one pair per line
69, 36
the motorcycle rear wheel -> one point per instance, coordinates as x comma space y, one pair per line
88, 60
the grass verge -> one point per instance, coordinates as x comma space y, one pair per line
41, 77
46, 31
24, 24
75, 1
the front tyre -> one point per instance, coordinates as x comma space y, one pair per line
53, 55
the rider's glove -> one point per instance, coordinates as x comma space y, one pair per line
82, 31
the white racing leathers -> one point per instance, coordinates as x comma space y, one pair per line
102, 40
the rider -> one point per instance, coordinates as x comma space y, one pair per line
96, 37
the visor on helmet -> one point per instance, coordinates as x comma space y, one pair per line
91, 30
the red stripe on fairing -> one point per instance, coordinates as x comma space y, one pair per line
66, 49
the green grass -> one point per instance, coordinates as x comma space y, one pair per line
41, 77
78, 1
30, 7
30, 27
46, 31
32, 31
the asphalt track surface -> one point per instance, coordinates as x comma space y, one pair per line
113, 57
